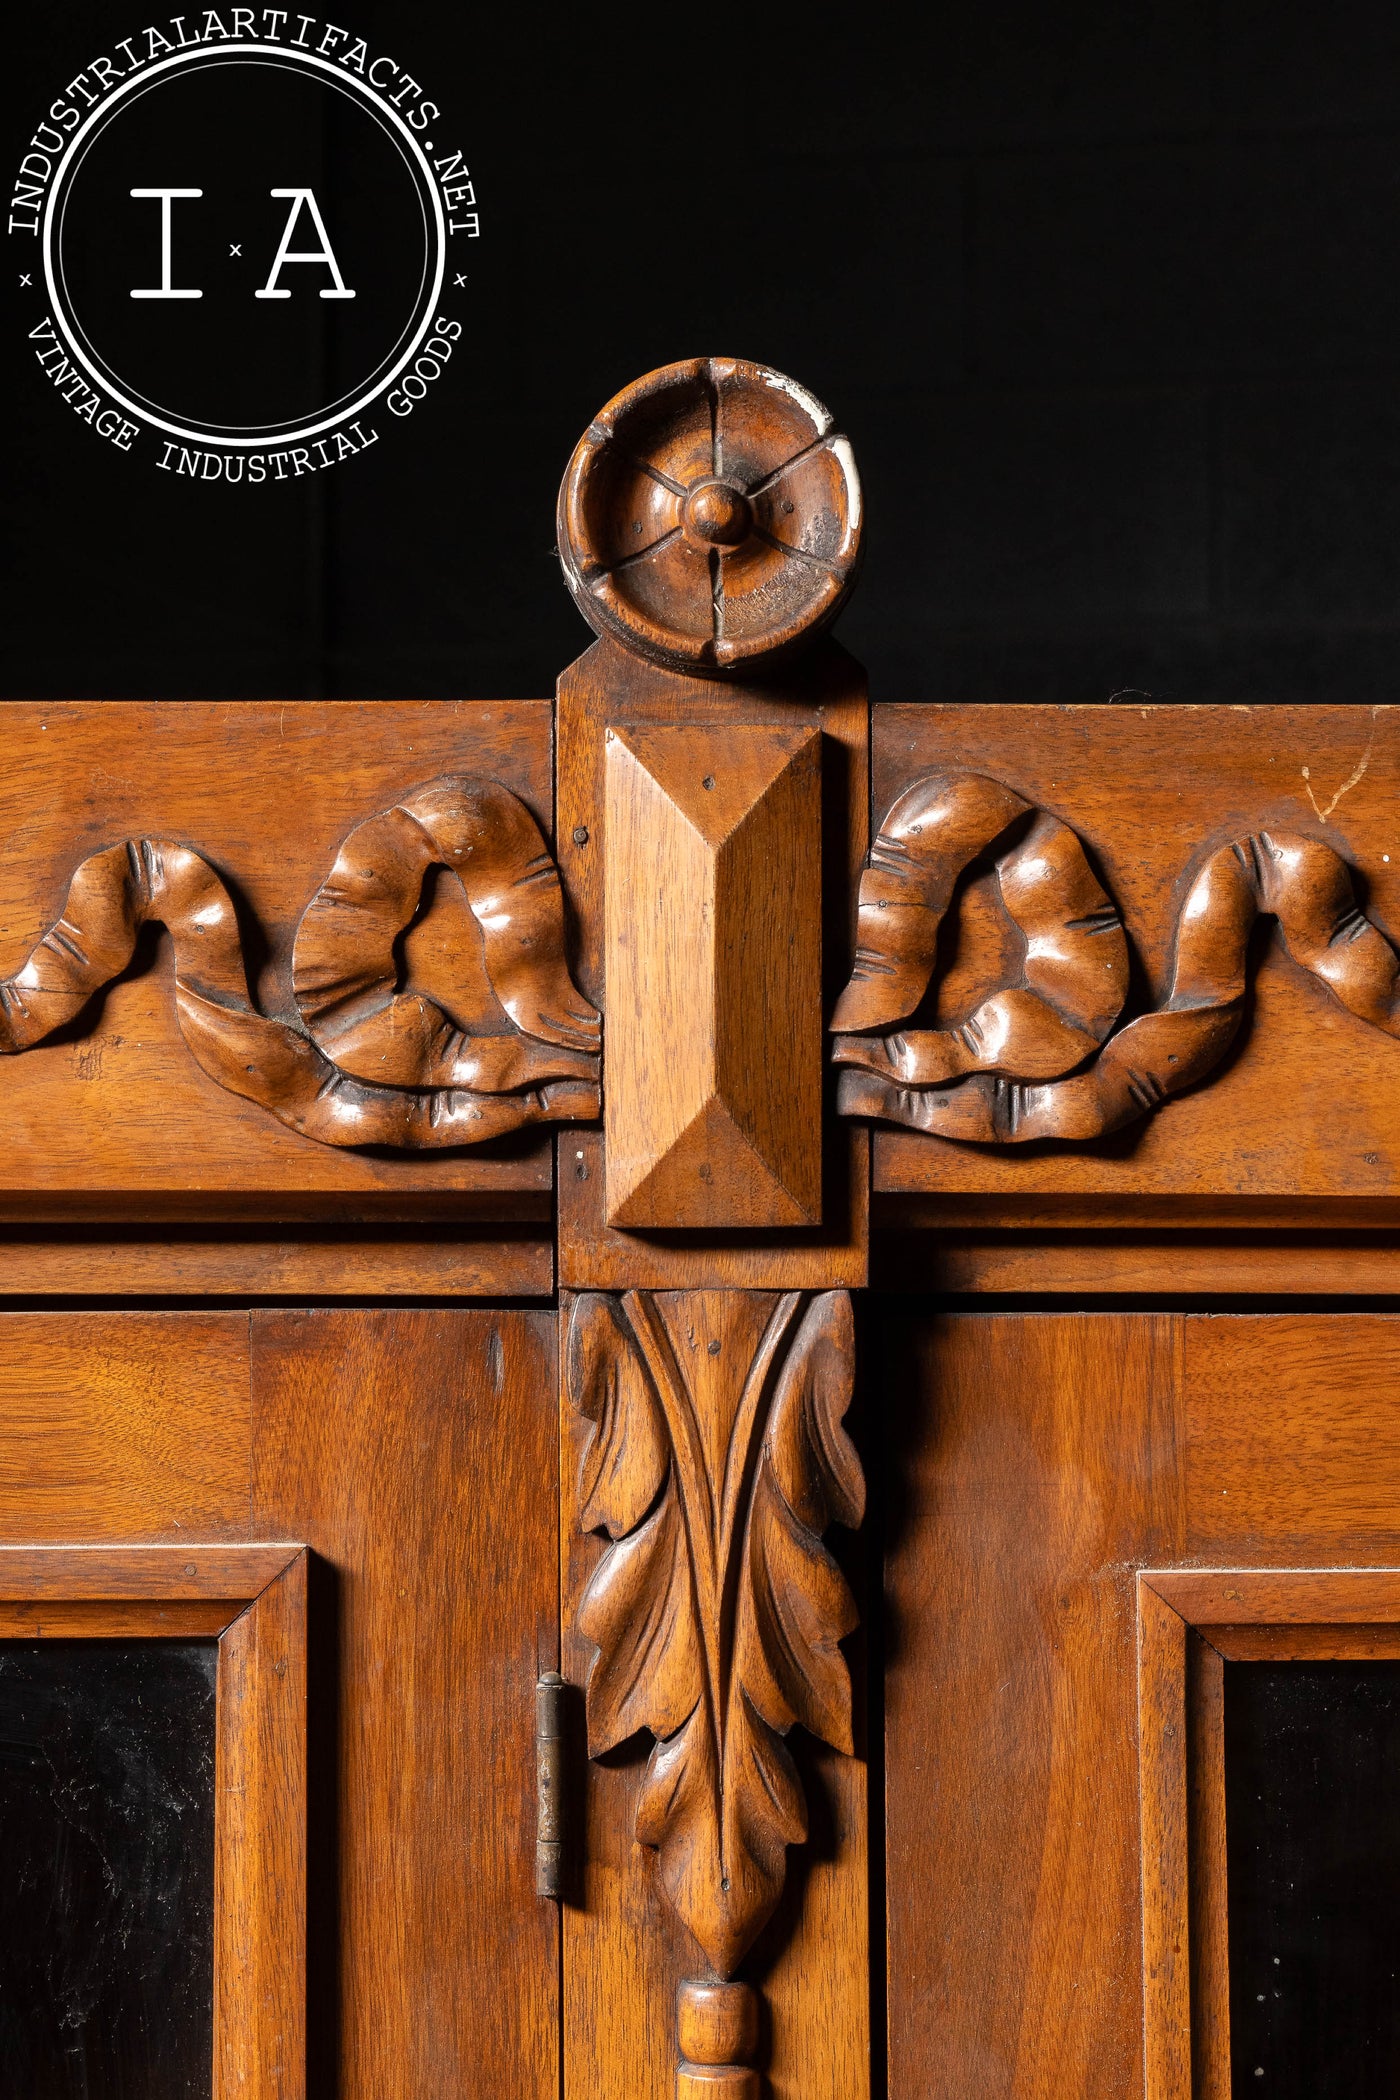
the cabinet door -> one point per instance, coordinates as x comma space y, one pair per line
275, 1590
1143, 1705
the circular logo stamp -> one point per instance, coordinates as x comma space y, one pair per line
245, 231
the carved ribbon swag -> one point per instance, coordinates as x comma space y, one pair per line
714, 1462
1000, 1077
369, 1065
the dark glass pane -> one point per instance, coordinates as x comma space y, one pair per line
1312, 1791
106, 1869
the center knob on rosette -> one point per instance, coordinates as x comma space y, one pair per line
717, 514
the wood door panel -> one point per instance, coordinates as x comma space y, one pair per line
124, 1426
1292, 1438
1037, 1460
266, 792
1036, 1881
416, 1454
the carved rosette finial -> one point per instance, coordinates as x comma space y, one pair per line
710, 518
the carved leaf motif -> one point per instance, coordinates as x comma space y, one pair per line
721, 1821
795, 1604
813, 1460
718, 1661
625, 1457
639, 1609
798, 1607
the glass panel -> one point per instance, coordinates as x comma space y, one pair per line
106, 1869
1312, 1793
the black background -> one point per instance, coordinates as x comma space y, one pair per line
1106, 296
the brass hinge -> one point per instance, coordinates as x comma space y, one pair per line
551, 1732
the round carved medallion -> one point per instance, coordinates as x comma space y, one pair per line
710, 517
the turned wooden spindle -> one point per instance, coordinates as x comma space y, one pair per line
717, 2029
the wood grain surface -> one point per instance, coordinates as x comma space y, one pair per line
1048, 1786
599, 1256
605, 689
1238, 1261
1303, 1106
1292, 1441
1164, 1743
1037, 1461
1209, 1869
1367, 1642
124, 1426
116, 1574
713, 1111
260, 1810
276, 1262
416, 1454
115, 1104
129, 1619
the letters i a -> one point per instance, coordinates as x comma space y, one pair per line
167, 289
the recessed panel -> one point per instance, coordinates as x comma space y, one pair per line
107, 1869
1312, 1790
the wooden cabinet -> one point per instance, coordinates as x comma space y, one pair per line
1097, 1512
805, 1231
404, 1464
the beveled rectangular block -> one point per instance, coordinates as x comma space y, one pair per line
713, 1095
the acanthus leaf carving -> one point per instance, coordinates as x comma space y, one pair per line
625, 1458
808, 1475
1042, 1059
715, 1460
368, 1064
640, 1611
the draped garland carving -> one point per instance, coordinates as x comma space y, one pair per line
1039, 1059
368, 1064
